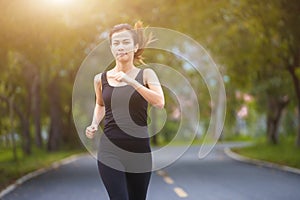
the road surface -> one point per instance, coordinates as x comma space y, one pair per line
217, 177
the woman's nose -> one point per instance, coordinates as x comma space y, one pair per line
120, 47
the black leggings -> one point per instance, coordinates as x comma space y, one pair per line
124, 185
120, 172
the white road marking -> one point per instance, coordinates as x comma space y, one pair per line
180, 192
168, 180
161, 173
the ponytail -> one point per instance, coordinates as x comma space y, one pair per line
142, 40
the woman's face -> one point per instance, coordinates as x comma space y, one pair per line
122, 46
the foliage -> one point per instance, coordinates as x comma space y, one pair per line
284, 154
251, 41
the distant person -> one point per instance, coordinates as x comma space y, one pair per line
122, 96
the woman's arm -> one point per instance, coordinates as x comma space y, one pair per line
99, 109
154, 94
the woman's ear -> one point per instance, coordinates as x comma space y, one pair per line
136, 48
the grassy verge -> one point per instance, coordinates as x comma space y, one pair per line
10, 170
285, 153
238, 138
162, 143
203, 140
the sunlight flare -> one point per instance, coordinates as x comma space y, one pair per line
60, 2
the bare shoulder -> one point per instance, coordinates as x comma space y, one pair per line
97, 78
149, 73
150, 76
148, 70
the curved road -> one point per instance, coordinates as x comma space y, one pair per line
216, 177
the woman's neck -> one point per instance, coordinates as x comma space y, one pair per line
124, 67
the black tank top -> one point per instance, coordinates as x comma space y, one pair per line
125, 111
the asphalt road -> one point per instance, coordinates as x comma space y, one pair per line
217, 177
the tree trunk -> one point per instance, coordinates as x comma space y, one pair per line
69, 132
26, 135
297, 63
12, 130
29, 72
7, 140
36, 110
275, 106
292, 70
26, 141
55, 116
25, 128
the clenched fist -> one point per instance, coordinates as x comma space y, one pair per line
90, 131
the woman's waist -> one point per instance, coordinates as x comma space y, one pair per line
136, 145
130, 132
125, 119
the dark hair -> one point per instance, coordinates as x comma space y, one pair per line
138, 35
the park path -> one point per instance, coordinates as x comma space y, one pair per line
217, 177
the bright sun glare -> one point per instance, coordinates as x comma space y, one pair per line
60, 2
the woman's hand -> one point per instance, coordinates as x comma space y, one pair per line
121, 77
90, 131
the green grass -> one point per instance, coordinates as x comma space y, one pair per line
10, 170
201, 141
285, 153
237, 138
162, 143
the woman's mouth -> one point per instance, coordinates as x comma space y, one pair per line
121, 54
